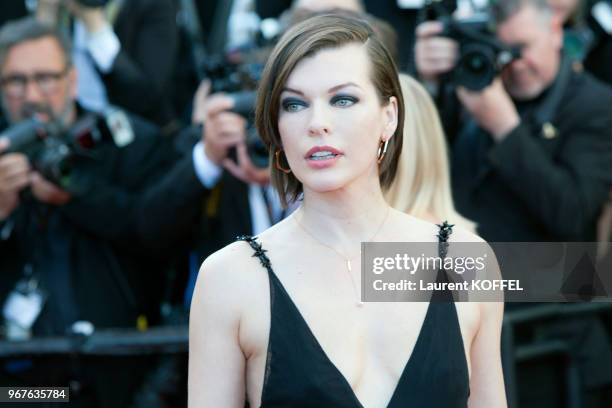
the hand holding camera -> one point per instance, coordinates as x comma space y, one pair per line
225, 129
492, 108
467, 54
467, 50
244, 169
47, 192
222, 129
435, 55
16, 174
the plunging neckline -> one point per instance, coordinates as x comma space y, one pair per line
440, 332
322, 352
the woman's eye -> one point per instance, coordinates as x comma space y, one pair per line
343, 101
292, 105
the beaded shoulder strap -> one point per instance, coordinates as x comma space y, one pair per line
445, 230
259, 253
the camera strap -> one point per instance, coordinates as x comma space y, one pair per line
545, 113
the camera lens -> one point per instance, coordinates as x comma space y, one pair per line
476, 67
476, 63
257, 150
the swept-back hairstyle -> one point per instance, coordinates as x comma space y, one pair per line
304, 40
422, 185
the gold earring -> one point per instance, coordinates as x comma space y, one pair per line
278, 165
382, 150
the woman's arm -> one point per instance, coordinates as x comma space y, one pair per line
216, 362
487, 381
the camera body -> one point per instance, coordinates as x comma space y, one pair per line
60, 155
481, 55
238, 79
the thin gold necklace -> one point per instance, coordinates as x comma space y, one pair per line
346, 259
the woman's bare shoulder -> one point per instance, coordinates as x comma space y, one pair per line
417, 229
230, 259
226, 275
461, 234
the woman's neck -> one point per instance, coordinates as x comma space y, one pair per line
344, 217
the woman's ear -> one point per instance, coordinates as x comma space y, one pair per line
390, 112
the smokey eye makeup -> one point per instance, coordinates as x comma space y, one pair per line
343, 100
293, 104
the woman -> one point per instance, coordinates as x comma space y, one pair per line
278, 318
422, 184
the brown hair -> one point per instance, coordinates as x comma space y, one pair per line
304, 40
383, 30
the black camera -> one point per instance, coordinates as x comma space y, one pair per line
481, 55
244, 104
57, 153
239, 81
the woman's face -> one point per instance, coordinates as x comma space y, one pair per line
331, 119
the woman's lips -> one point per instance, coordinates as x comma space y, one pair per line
322, 163
320, 157
318, 149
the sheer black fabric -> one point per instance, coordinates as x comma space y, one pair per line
299, 374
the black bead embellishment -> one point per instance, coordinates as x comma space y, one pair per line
260, 253
445, 230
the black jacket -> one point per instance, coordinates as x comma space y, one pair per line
180, 209
93, 265
140, 78
531, 187
113, 277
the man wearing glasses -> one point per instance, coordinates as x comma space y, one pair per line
69, 258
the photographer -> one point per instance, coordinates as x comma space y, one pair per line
125, 52
72, 251
531, 161
532, 152
215, 190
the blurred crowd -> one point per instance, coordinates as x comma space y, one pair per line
128, 155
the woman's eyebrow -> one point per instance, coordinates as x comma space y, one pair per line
330, 90
286, 89
335, 88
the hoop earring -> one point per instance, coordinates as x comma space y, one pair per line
382, 150
277, 163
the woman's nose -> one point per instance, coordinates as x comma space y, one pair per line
319, 121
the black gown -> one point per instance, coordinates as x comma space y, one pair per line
298, 373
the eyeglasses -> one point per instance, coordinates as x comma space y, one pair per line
15, 85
